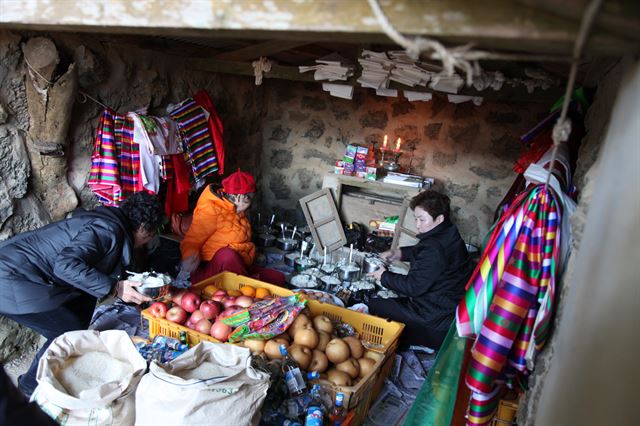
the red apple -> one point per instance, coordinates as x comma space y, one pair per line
218, 298
220, 331
203, 326
176, 295
177, 315
190, 301
244, 301
158, 309
220, 293
196, 316
229, 301
210, 309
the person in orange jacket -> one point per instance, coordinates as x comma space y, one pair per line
219, 237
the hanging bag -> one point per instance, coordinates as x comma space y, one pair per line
212, 383
89, 378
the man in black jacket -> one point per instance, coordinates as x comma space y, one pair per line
51, 278
440, 269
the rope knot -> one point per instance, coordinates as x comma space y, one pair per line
561, 131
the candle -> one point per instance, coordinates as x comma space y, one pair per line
324, 261
350, 254
398, 145
384, 142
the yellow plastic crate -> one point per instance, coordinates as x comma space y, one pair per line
382, 333
357, 398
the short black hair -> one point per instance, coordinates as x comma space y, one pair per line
433, 202
143, 209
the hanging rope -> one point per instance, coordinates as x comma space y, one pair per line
83, 95
562, 128
450, 59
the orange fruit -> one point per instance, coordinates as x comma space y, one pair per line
209, 290
234, 293
261, 293
247, 290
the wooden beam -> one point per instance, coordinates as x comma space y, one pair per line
507, 93
255, 51
498, 24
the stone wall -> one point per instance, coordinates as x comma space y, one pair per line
596, 124
469, 149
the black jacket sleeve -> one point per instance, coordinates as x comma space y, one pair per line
426, 268
75, 263
15, 409
407, 254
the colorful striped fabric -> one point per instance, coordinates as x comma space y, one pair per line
509, 299
194, 129
104, 177
129, 158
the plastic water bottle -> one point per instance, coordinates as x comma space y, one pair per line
291, 373
338, 413
315, 409
170, 343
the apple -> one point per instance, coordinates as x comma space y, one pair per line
220, 331
203, 326
177, 315
158, 309
210, 309
229, 301
196, 316
190, 301
176, 295
219, 295
244, 301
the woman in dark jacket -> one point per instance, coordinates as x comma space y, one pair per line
51, 278
440, 268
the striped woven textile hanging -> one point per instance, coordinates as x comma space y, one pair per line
509, 300
104, 177
194, 130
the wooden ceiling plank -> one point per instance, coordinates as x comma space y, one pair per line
488, 23
255, 51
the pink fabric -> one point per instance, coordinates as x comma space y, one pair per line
228, 260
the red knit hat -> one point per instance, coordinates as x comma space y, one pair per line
239, 183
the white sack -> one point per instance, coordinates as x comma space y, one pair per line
115, 368
212, 383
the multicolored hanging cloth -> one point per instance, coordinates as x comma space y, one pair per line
509, 301
104, 178
194, 129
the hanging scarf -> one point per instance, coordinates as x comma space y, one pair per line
104, 177
509, 300
194, 130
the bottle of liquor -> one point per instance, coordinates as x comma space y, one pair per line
338, 413
183, 338
315, 408
291, 373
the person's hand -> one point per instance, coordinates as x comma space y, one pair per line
190, 263
391, 255
125, 290
377, 274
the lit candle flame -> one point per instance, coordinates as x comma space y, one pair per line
398, 145
384, 142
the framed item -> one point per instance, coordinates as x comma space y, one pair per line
323, 219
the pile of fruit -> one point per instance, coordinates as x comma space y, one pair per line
311, 341
315, 347
204, 311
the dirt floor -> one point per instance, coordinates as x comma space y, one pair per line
20, 365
